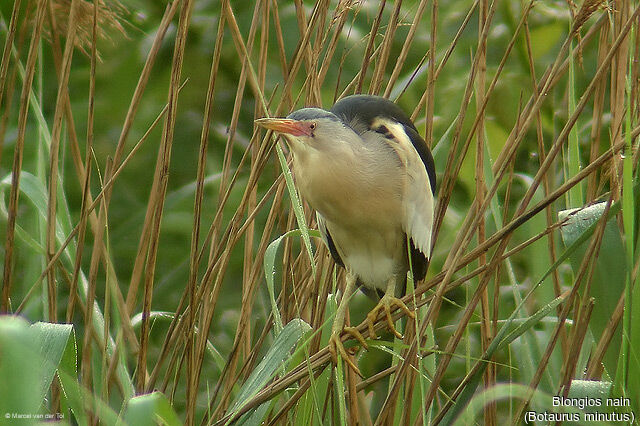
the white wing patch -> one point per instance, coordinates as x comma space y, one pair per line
418, 202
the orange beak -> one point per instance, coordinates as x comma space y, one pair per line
285, 126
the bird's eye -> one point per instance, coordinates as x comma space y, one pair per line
312, 126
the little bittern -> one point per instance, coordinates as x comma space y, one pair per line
370, 177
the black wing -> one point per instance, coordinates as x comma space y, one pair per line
362, 110
326, 236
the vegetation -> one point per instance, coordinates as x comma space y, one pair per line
142, 206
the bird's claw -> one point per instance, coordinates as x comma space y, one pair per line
385, 304
353, 332
336, 347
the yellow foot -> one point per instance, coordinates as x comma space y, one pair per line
386, 304
336, 347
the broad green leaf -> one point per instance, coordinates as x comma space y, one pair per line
21, 369
590, 389
29, 358
151, 409
37, 194
273, 361
610, 271
52, 340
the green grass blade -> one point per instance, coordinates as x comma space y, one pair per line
630, 330
297, 206
272, 362
68, 373
270, 271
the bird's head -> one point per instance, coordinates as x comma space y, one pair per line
310, 129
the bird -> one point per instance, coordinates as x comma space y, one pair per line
370, 177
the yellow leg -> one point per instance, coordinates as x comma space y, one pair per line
386, 303
335, 342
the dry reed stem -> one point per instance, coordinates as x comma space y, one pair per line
18, 154
9, 94
429, 95
161, 177
598, 110
54, 152
331, 49
594, 368
197, 215
486, 330
546, 184
226, 165
383, 57
279, 39
6, 51
126, 128
413, 28
86, 188
617, 97
433, 75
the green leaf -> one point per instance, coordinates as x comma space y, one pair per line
297, 206
530, 322
68, 373
474, 410
21, 369
589, 388
275, 358
52, 340
610, 270
270, 271
29, 358
151, 409
37, 194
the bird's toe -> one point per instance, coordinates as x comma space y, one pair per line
337, 348
386, 304
353, 332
